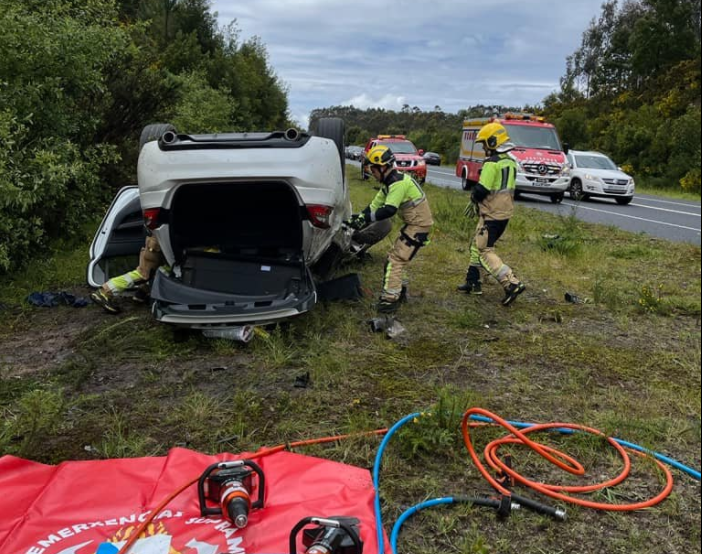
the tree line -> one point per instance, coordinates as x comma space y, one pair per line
79, 79
631, 90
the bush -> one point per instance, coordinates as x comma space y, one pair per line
53, 94
201, 108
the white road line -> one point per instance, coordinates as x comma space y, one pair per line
646, 199
665, 209
443, 172
581, 207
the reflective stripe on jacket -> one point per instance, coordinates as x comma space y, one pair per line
408, 197
498, 177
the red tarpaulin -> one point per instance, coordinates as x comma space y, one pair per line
92, 507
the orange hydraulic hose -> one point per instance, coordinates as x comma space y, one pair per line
260, 454
557, 458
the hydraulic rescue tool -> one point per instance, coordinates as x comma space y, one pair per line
334, 535
229, 485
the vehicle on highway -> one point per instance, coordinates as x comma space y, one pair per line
243, 219
407, 158
594, 174
354, 153
432, 158
541, 158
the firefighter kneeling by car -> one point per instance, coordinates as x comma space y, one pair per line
150, 258
399, 193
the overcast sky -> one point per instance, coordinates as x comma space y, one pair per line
424, 53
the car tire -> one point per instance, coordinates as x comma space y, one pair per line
576, 190
154, 131
333, 128
465, 182
373, 233
557, 198
624, 201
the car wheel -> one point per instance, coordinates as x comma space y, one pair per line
333, 128
557, 198
576, 190
465, 183
624, 201
373, 233
154, 131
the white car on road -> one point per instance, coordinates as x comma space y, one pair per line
594, 174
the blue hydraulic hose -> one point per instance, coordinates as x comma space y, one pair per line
677, 465
409, 513
376, 478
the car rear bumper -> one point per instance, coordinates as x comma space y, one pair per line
186, 306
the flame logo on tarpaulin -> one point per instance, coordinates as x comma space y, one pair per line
154, 540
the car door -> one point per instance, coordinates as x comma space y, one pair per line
119, 239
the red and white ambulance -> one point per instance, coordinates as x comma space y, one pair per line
543, 167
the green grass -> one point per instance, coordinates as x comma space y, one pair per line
80, 384
644, 187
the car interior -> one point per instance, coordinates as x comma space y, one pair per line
242, 238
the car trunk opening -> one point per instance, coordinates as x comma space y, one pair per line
243, 239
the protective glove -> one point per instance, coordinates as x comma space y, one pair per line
471, 211
357, 221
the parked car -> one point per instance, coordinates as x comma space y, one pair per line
354, 152
594, 174
242, 219
432, 158
407, 157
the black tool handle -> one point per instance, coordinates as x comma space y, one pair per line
533, 505
324, 521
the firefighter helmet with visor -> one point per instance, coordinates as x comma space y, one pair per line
492, 135
380, 156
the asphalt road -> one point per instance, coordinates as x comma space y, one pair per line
676, 220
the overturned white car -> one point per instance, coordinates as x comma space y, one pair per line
242, 219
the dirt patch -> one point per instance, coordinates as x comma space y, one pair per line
41, 338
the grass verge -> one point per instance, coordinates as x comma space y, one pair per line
79, 384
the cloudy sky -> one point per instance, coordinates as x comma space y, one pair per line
450, 53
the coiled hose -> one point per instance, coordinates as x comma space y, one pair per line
475, 417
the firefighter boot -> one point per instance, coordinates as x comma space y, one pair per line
105, 300
470, 287
472, 284
141, 295
511, 293
387, 306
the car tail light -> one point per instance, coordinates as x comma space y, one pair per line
320, 215
151, 217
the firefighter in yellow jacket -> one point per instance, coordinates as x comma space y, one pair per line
398, 194
493, 199
150, 258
